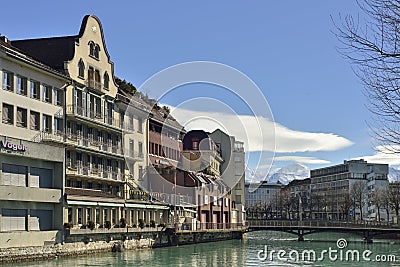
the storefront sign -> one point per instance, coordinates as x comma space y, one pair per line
10, 146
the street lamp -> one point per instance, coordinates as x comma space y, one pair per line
175, 203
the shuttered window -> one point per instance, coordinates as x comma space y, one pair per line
8, 114
14, 174
21, 117
34, 121
13, 220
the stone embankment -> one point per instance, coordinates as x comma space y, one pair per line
69, 249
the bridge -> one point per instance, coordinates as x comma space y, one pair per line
367, 230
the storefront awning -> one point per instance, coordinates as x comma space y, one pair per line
100, 204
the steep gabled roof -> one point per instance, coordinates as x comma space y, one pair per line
51, 51
16, 53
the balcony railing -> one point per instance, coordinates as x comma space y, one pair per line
92, 143
136, 156
93, 84
92, 171
94, 115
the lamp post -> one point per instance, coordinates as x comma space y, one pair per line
175, 203
300, 209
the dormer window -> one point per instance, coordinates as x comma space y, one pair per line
94, 50
81, 68
106, 81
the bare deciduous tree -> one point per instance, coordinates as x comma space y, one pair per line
372, 44
378, 198
358, 191
394, 197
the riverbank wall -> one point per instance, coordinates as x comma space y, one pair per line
87, 242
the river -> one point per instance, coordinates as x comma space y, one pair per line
250, 252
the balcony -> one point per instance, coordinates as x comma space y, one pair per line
93, 84
135, 156
93, 116
94, 144
92, 193
79, 169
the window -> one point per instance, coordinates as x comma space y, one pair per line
8, 113
14, 174
91, 48
106, 81
131, 148
42, 178
46, 94
140, 144
13, 220
94, 78
22, 85
131, 123
46, 123
59, 125
34, 89
41, 220
21, 117
238, 171
81, 69
195, 144
59, 97
140, 126
8, 81
140, 173
35, 121
94, 50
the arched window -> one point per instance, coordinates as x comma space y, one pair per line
91, 48
106, 80
81, 67
96, 51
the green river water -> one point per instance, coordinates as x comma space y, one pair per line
250, 252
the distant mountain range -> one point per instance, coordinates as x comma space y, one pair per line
298, 171
284, 175
289, 173
394, 174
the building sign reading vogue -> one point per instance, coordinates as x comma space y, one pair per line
11, 146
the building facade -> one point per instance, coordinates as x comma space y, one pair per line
233, 171
334, 189
31, 174
105, 143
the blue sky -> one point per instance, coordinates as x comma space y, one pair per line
286, 47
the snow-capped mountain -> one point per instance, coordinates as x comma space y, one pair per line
289, 173
394, 174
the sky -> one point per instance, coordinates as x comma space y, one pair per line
287, 48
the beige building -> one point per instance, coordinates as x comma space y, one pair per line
97, 172
31, 174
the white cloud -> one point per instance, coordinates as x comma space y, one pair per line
305, 160
383, 155
260, 134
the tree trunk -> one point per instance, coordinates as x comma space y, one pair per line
379, 214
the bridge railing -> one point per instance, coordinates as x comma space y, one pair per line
320, 224
211, 226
